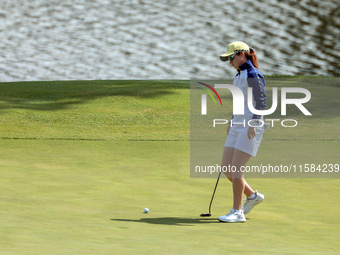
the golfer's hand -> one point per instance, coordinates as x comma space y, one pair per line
251, 132
228, 129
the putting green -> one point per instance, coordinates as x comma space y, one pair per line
81, 160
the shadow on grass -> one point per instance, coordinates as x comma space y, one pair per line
176, 221
59, 95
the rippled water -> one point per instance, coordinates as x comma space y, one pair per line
103, 39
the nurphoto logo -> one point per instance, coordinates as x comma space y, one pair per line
239, 102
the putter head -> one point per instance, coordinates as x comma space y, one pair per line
205, 214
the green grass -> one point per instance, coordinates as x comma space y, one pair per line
80, 160
95, 110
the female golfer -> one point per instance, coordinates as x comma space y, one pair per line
244, 133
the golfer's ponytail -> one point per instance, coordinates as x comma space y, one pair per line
252, 56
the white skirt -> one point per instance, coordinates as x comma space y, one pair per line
238, 139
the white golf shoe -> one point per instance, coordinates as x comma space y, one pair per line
250, 203
233, 217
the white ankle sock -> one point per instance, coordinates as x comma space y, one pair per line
253, 196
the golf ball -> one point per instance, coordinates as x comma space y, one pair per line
146, 210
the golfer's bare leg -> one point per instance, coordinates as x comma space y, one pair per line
239, 160
227, 160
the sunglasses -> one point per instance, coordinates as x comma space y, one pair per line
231, 58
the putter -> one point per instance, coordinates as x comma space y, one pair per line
212, 198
